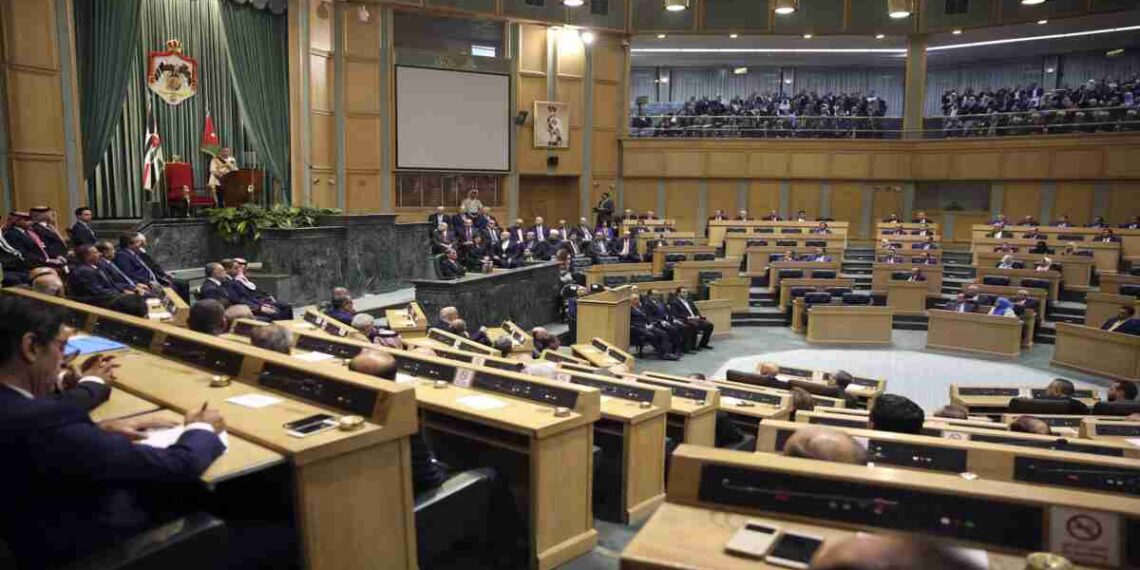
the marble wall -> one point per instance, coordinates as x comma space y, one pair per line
528, 296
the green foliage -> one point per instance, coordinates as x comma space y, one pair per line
248, 221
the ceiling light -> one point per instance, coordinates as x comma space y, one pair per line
1032, 2
1035, 38
1049, 70
886, 51
1042, 22
880, 36
808, 36
787, 81
785, 7
676, 5
588, 37
898, 9
733, 36
660, 36
664, 80
572, 3
1114, 52
957, 32
740, 70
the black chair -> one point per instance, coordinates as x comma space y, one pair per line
1035, 283
754, 379
817, 298
455, 512
764, 231
1047, 406
986, 299
1116, 408
757, 243
1071, 237
837, 291
785, 243
1130, 290
436, 260
791, 274
674, 257
815, 243
615, 280
814, 388
823, 274
775, 257
734, 231
705, 276
188, 543
1135, 270
683, 242
791, 231
900, 276
856, 299
795, 292
995, 280
704, 257
642, 278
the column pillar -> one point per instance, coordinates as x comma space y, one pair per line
338, 43
915, 86
908, 201
511, 182
387, 100
299, 104
785, 199
1048, 201
824, 200
585, 180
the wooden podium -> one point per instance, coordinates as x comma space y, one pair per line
907, 297
605, 315
241, 186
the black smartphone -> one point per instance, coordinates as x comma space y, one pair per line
793, 550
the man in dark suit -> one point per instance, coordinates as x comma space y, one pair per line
89, 284
892, 218
1023, 301
15, 267
89, 485
21, 237
999, 220
686, 311
743, 216
130, 262
1106, 236
44, 226
243, 291
818, 255
921, 218
505, 253
961, 305
547, 248
1098, 222
438, 217
1028, 220
625, 248
1133, 225
120, 280
215, 286
718, 216
598, 247
81, 232
518, 232
683, 335
449, 266
604, 209
540, 229
1033, 233
642, 331
1124, 322
916, 275
1063, 221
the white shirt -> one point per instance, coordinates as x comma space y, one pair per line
220, 167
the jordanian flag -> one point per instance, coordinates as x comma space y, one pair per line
153, 162
210, 144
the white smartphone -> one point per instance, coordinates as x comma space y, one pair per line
753, 540
794, 550
315, 423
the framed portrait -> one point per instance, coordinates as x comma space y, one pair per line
551, 124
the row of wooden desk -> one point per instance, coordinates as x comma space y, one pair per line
1129, 244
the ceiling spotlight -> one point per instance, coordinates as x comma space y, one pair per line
880, 36
660, 36
664, 80
1042, 22
572, 3
740, 70
588, 37
808, 36
785, 7
957, 32
1032, 2
1050, 70
676, 5
733, 36
898, 9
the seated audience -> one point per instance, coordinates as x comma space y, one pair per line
272, 337
801, 400
364, 324
1030, 424
44, 225
208, 317
116, 275
1124, 322
961, 304
625, 248
340, 305
1122, 391
953, 411
544, 340
898, 414
215, 286
1062, 389
1003, 308
48, 284
88, 283
916, 275
81, 486
446, 315
643, 330
504, 345
684, 309
825, 444
246, 292
30, 246
388, 338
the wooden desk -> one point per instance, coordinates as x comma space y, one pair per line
122, 405
974, 332
840, 324
692, 270
809, 269
786, 286
521, 341
605, 315
598, 273
242, 457
718, 229
911, 255
1016, 277
1076, 270
735, 290
692, 417
1106, 256
1110, 283
757, 258
322, 322
736, 245
903, 242
686, 251
1089, 349
662, 238
882, 272
908, 226
487, 299
1102, 306
1040, 295
995, 399
1111, 429
1130, 239
413, 325
655, 224
603, 354
719, 313
907, 298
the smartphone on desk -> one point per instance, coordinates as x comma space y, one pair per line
315, 423
753, 540
794, 550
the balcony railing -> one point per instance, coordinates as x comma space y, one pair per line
1026, 123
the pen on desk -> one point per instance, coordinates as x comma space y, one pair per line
204, 404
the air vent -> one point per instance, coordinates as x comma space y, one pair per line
957, 7
599, 7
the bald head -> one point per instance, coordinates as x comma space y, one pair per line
1030, 424
826, 445
448, 314
374, 363
768, 368
48, 284
883, 552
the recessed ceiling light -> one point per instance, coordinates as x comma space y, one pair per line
807, 36
1049, 70
957, 32
676, 5
664, 80
734, 36
1032, 2
660, 36
1042, 22
588, 37
880, 36
572, 3
740, 70
785, 7
898, 9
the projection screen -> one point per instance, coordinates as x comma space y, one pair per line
452, 120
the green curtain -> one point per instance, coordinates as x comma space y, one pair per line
107, 32
259, 67
115, 187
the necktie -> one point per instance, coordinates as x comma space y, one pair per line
120, 273
138, 259
39, 242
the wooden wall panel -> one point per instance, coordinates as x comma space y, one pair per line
605, 157
722, 195
807, 164
361, 39
36, 123
643, 163
29, 33
362, 142
684, 164
39, 181
975, 165
606, 105
964, 223
322, 146
320, 82
727, 164
1072, 164
363, 192
571, 54
571, 92
640, 195
891, 166
887, 200
1123, 202
769, 164
532, 48
851, 165
805, 196
1022, 199
1121, 162
549, 197
1030, 164
323, 188
931, 165
361, 83
763, 196
1074, 199
681, 197
847, 204
609, 58
320, 27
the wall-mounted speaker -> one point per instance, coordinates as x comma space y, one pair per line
520, 119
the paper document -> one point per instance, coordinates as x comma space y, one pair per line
402, 378
163, 438
254, 401
1134, 441
482, 402
313, 356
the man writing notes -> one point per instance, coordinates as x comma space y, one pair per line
221, 165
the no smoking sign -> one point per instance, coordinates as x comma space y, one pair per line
1082, 536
